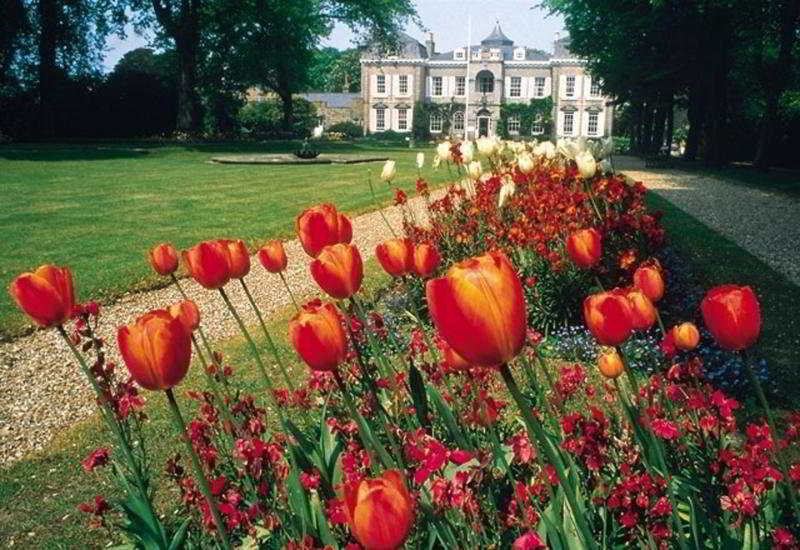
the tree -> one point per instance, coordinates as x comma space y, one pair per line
333, 70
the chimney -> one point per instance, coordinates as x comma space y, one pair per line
430, 45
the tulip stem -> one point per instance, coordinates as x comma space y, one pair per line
180, 426
215, 388
773, 433
380, 208
661, 324
199, 328
537, 433
599, 283
272, 347
289, 290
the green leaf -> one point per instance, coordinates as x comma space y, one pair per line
324, 531
180, 535
418, 395
447, 415
298, 501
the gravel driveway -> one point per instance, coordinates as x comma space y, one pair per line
42, 389
765, 223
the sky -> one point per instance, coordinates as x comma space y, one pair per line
447, 19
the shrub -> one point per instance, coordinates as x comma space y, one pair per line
348, 129
264, 119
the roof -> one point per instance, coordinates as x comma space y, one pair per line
333, 99
497, 38
409, 48
531, 54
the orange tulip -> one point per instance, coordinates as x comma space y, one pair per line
609, 316
585, 247
450, 359
47, 295
321, 226
644, 312
396, 256
239, 258
733, 315
157, 349
380, 511
273, 256
648, 277
338, 270
610, 364
209, 263
685, 336
188, 313
426, 260
479, 309
317, 335
164, 259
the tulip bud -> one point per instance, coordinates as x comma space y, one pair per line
610, 364
209, 263
648, 278
239, 257
188, 314
644, 312
420, 160
380, 511
733, 315
525, 163
338, 270
474, 169
164, 259
507, 191
609, 317
685, 336
345, 229
451, 360
585, 247
157, 350
587, 166
426, 260
443, 151
486, 145
467, 151
320, 226
47, 295
317, 335
389, 171
545, 149
396, 256
273, 256
460, 303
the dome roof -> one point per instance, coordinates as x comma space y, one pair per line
497, 38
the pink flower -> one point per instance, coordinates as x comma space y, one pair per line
664, 428
98, 457
528, 541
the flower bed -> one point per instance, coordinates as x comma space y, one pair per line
515, 386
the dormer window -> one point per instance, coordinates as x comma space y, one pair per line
476, 54
519, 54
459, 54
495, 53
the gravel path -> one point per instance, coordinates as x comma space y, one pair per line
42, 389
765, 223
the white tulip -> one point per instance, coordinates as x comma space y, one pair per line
389, 171
587, 166
474, 169
506, 191
467, 151
443, 150
486, 145
525, 163
420, 160
517, 146
545, 149
567, 148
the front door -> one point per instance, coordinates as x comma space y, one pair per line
483, 126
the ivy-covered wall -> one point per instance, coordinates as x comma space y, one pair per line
541, 108
421, 125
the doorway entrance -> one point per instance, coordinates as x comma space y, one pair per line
484, 123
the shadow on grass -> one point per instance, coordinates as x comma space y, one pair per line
58, 153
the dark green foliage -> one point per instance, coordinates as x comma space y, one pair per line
420, 127
264, 119
538, 109
351, 130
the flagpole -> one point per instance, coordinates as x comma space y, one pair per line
466, 84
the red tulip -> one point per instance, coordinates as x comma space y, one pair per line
338, 270
426, 260
450, 359
188, 314
239, 258
273, 256
157, 349
209, 263
733, 316
164, 259
47, 295
644, 312
316, 333
529, 541
396, 256
585, 247
380, 511
610, 364
609, 316
479, 309
648, 277
685, 336
321, 226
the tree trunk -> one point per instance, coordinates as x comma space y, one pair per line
718, 90
670, 130
190, 111
12, 22
697, 116
287, 106
659, 119
48, 71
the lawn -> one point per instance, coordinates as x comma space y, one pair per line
98, 208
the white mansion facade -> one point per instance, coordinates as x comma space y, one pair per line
496, 71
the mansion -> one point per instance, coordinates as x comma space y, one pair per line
481, 78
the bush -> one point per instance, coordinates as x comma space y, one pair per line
264, 120
349, 129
